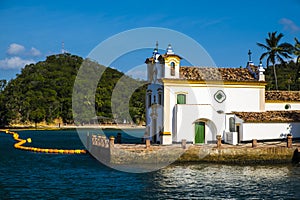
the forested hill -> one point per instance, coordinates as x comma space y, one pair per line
286, 75
43, 92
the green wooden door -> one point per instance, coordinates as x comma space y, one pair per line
199, 132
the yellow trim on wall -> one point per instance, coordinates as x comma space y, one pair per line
281, 101
172, 56
218, 86
181, 92
172, 60
209, 82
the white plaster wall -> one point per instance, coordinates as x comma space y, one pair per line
194, 96
261, 131
281, 106
242, 99
188, 114
237, 99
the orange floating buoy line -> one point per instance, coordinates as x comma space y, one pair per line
21, 142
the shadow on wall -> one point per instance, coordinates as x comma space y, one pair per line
294, 129
296, 156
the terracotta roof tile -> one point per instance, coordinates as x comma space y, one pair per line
270, 116
282, 96
222, 74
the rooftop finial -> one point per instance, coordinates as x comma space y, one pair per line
170, 49
261, 70
249, 54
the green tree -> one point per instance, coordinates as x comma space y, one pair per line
2, 85
286, 74
275, 51
297, 53
37, 115
2, 107
43, 92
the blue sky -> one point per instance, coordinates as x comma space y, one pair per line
31, 30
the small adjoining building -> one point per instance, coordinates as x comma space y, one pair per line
198, 103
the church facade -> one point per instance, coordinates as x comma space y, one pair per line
198, 103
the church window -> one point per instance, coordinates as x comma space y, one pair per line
231, 124
172, 68
159, 97
220, 96
149, 98
287, 106
181, 99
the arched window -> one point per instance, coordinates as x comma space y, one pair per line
159, 100
172, 68
181, 99
231, 124
149, 98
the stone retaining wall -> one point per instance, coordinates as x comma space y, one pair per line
239, 155
122, 154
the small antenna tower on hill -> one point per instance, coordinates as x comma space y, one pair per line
63, 47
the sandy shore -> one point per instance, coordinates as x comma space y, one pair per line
56, 127
120, 126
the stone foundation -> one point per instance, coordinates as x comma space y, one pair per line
260, 153
263, 155
139, 154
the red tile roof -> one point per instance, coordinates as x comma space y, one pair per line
270, 116
287, 96
222, 74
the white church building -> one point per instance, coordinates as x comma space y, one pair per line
199, 103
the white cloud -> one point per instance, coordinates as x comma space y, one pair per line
14, 63
18, 56
34, 52
15, 49
289, 25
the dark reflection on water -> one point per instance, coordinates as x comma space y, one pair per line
27, 175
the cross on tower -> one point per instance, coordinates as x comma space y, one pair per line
249, 54
155, 51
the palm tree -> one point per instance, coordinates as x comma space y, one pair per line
275, 51
297, 53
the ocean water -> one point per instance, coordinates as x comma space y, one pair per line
29, 175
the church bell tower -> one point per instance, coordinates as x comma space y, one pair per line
159, 67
